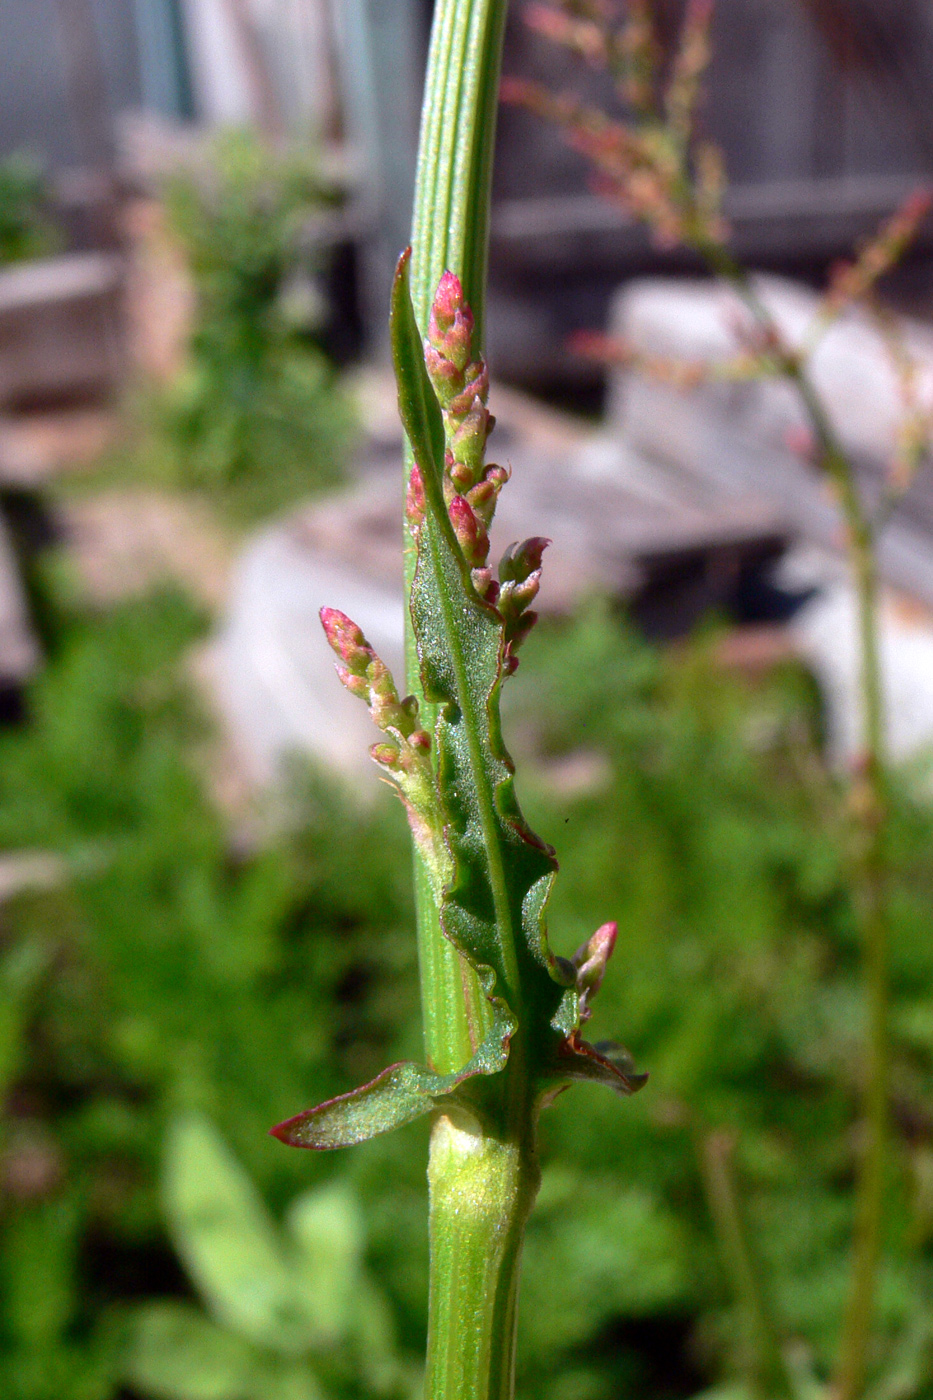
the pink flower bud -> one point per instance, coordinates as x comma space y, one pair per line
485, 585
444, 374
475, 387
591, 958
461, 475
468, 440
471, 535
414, 499
357, 685
516, 597
483, 499
450, 329
448, 301
346, 639
386, 755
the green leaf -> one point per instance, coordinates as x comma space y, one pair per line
577, 1061
398, 1095
21, 971
381, 1369
493, 911
37, 1273
228, 1242
418, 407
175, 1353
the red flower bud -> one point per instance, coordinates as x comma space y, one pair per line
470, 532
521, 560
414, 499
346, 639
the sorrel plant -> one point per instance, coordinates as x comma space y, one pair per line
502, 1015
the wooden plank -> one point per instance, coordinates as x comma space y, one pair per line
61, 331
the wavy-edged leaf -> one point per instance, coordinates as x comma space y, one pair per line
398, 1095
493, 910
605, 1063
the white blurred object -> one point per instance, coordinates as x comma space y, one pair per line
826, 632
736, 436
275, 670
267, 62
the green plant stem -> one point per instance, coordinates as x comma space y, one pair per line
483, 1174
870, 815
764, 1364
483, 1186
871, 801
451, 232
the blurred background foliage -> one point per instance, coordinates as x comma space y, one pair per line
183, 984
26, 229
257, 417
177, 976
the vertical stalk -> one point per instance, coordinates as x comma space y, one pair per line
869, 799
451, 232
763, 1363
482, 1189
483, 1175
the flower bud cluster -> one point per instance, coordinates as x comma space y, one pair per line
519, 581
366, 675
471, 489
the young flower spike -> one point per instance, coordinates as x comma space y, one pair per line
522, 1009
491, 876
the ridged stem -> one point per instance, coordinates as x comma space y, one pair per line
483, 1186
450, 231
483, 1173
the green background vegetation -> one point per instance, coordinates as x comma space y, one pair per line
185, 988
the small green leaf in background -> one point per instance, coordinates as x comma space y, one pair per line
228, 1241
20, 973
328, 1231
177, 1353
